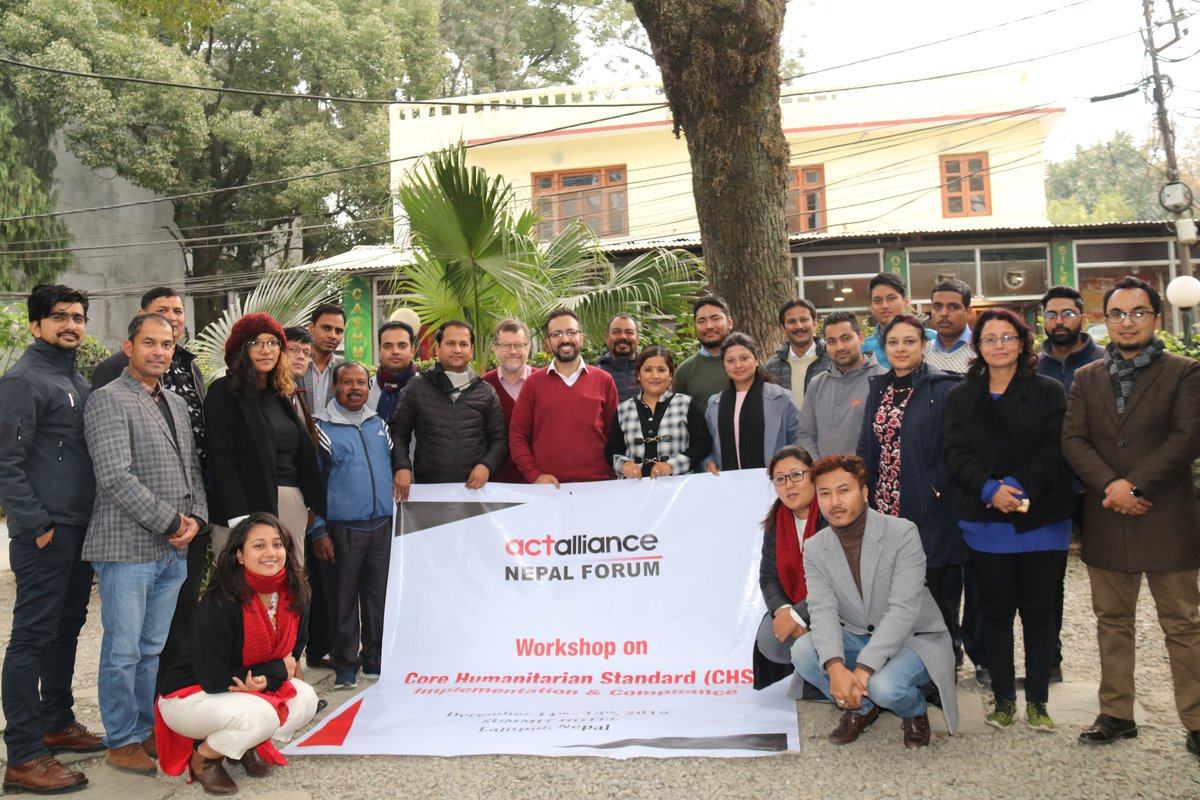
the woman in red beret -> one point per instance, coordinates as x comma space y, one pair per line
260, 452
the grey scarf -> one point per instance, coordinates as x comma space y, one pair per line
1124, 371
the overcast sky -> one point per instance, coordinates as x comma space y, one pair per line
840, 39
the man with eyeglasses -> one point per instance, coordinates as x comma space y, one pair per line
47, 489
1067, 346
1066, 349
1131, 432
510, 346
561, 420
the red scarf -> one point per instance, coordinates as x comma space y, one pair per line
261, 641
789, 562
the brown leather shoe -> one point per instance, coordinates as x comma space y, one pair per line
254, 764
43, 775
916, 731
131, 758
852, 724
211, 775
151, 747
76, 739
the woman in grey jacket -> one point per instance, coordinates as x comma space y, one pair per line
752, 416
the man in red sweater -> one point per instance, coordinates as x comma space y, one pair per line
563, 414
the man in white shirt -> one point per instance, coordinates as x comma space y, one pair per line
802, 356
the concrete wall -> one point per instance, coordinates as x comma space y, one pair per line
119, 253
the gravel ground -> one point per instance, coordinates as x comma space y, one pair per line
978, 763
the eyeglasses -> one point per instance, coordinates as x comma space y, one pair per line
1117, 317
570, 333
61, 316
269, 344
795, 476
992, 341
513, 348
1069, 314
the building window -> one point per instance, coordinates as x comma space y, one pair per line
966, 190
596, 197
805, 205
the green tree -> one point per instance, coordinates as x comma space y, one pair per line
720, 66
475, 261
1107, 181
32, 251
176, 141
503, 45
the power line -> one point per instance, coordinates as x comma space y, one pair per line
195, 87
516, 137
321, 174
922, 46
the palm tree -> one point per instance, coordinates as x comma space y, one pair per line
288, 295
476, 262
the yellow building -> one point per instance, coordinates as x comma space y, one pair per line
940, 154
932, 180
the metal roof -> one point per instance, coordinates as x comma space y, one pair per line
374, 258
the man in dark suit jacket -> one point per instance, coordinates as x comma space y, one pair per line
150, 504
1131, 433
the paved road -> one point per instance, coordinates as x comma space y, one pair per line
978, 763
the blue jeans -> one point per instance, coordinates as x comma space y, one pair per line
896, 686
137, 602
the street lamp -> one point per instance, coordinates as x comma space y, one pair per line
1184, 294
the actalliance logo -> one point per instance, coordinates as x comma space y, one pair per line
634, 556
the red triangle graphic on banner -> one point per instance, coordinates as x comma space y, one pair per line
335, 730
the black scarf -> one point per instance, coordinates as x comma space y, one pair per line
1124, 371
751, 426
390, 387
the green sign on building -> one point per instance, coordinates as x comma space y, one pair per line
360, 332
1062, 263
896, 261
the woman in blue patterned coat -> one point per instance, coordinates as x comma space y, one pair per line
656, 432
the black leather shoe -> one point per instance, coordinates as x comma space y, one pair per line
1193, 743
1106, 730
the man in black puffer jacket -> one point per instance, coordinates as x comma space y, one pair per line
461, 433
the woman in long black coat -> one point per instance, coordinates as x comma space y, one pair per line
260, 452
1003, 432
901, 446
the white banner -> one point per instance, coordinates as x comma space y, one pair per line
612, 619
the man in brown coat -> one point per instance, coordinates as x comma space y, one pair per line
1131, 433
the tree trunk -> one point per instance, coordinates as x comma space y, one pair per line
720, 69
210, 304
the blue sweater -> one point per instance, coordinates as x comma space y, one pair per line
356, 459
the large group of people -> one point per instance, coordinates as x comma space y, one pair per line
928, 478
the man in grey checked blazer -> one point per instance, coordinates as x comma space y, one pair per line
150, 503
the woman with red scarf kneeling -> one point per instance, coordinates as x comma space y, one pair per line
792, 519
239, 684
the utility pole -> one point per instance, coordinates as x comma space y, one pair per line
1164, 122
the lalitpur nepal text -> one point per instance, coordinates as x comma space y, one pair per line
633, 557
